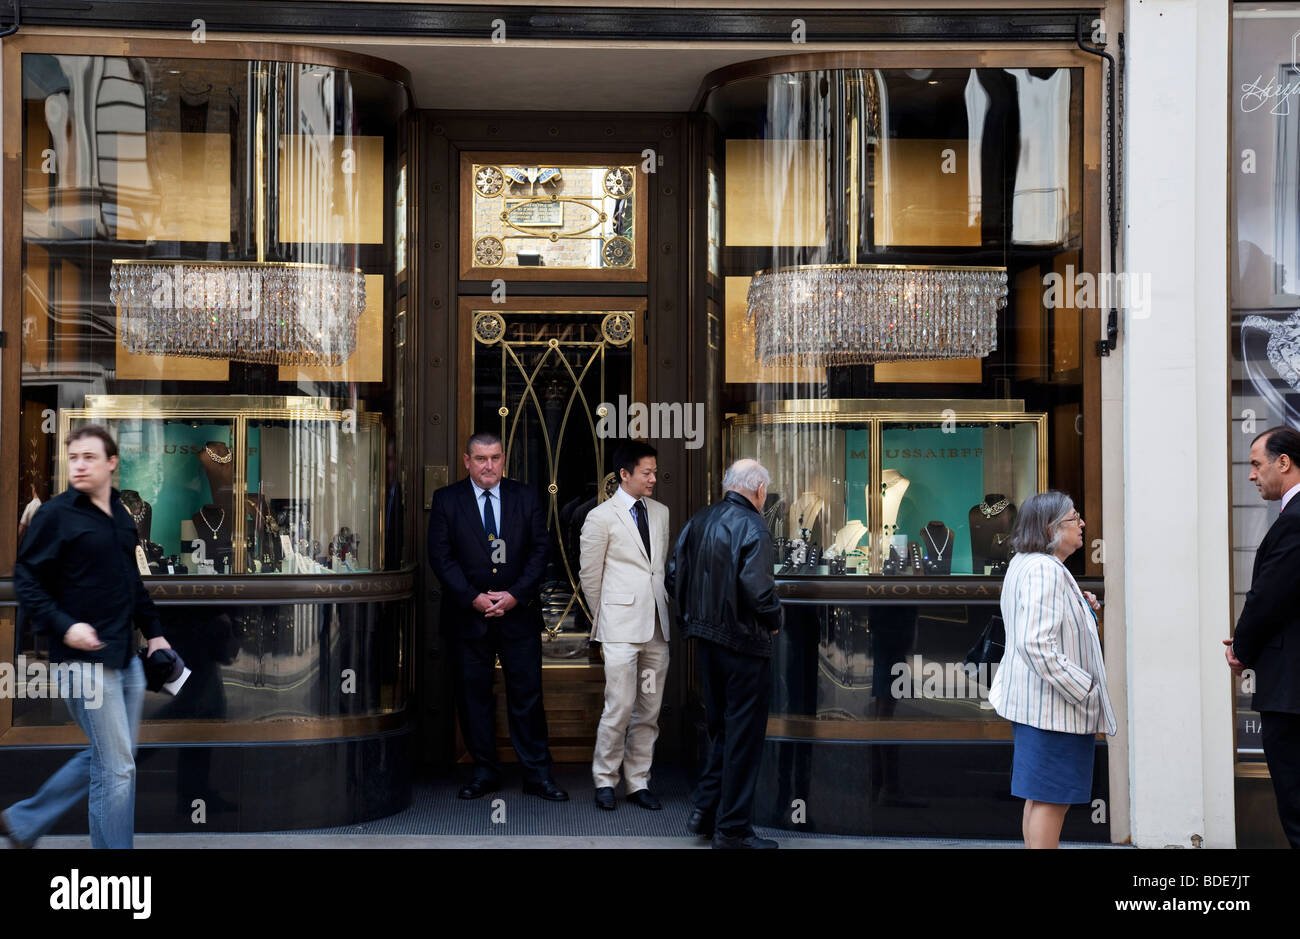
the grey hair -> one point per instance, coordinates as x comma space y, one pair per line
1038, 523
745, 476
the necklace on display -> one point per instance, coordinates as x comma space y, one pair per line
988, 511
215, 458
938, 550
136, 517
214, 529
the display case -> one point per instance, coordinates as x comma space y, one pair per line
892, 487
238, 484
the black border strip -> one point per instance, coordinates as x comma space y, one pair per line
461, 21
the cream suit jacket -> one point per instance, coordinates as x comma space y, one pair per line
623, 588
1052, 674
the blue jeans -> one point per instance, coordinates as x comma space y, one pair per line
105, 770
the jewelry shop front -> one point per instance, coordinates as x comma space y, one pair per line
280, 285
205, 251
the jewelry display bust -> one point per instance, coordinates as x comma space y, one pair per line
847, 538
141, 512
894, 486
219, 467
991, 522
936, 547
805, 512
214, 524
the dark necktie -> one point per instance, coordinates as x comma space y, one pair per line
642, 525
489, 522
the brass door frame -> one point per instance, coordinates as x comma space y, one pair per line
469, 307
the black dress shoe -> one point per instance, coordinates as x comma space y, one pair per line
751, 842
646, 799
477, 789
605, 798
547, 790
700, 823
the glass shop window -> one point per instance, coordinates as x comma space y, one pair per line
210, 261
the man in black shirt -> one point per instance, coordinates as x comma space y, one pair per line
77, 580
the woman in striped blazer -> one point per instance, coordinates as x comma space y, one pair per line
1051, 683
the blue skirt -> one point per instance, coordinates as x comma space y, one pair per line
1051, 766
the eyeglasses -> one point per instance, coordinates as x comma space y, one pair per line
1076, 517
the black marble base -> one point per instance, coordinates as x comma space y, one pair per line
907, 788
240, 786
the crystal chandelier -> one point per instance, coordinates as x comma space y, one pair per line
279, 313
850, 313
272, 312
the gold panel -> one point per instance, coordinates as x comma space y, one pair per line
36, 188
65, 306
177, 188
916, 202
741, 364
931, 370
365, 364
1065, 317
332, 192
776, 192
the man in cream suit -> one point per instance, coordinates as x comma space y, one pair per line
624, 549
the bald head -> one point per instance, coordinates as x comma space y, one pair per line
750, 479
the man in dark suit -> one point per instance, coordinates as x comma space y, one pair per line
1267, 638
488, 546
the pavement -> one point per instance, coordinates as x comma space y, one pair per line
437, 819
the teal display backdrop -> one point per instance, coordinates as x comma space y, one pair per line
857, 475
161, 462
945, 472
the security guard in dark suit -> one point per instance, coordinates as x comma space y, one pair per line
488, 545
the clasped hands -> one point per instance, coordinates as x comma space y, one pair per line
494, 602
1234, 663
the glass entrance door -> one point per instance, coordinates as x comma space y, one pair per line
550, 378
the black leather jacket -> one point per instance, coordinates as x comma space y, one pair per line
720, 574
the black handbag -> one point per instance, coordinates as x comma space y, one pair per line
991, 644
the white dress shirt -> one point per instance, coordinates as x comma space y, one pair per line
496, 502
629, 502
1289, 493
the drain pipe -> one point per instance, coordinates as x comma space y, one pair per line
1107, 346
14, 28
